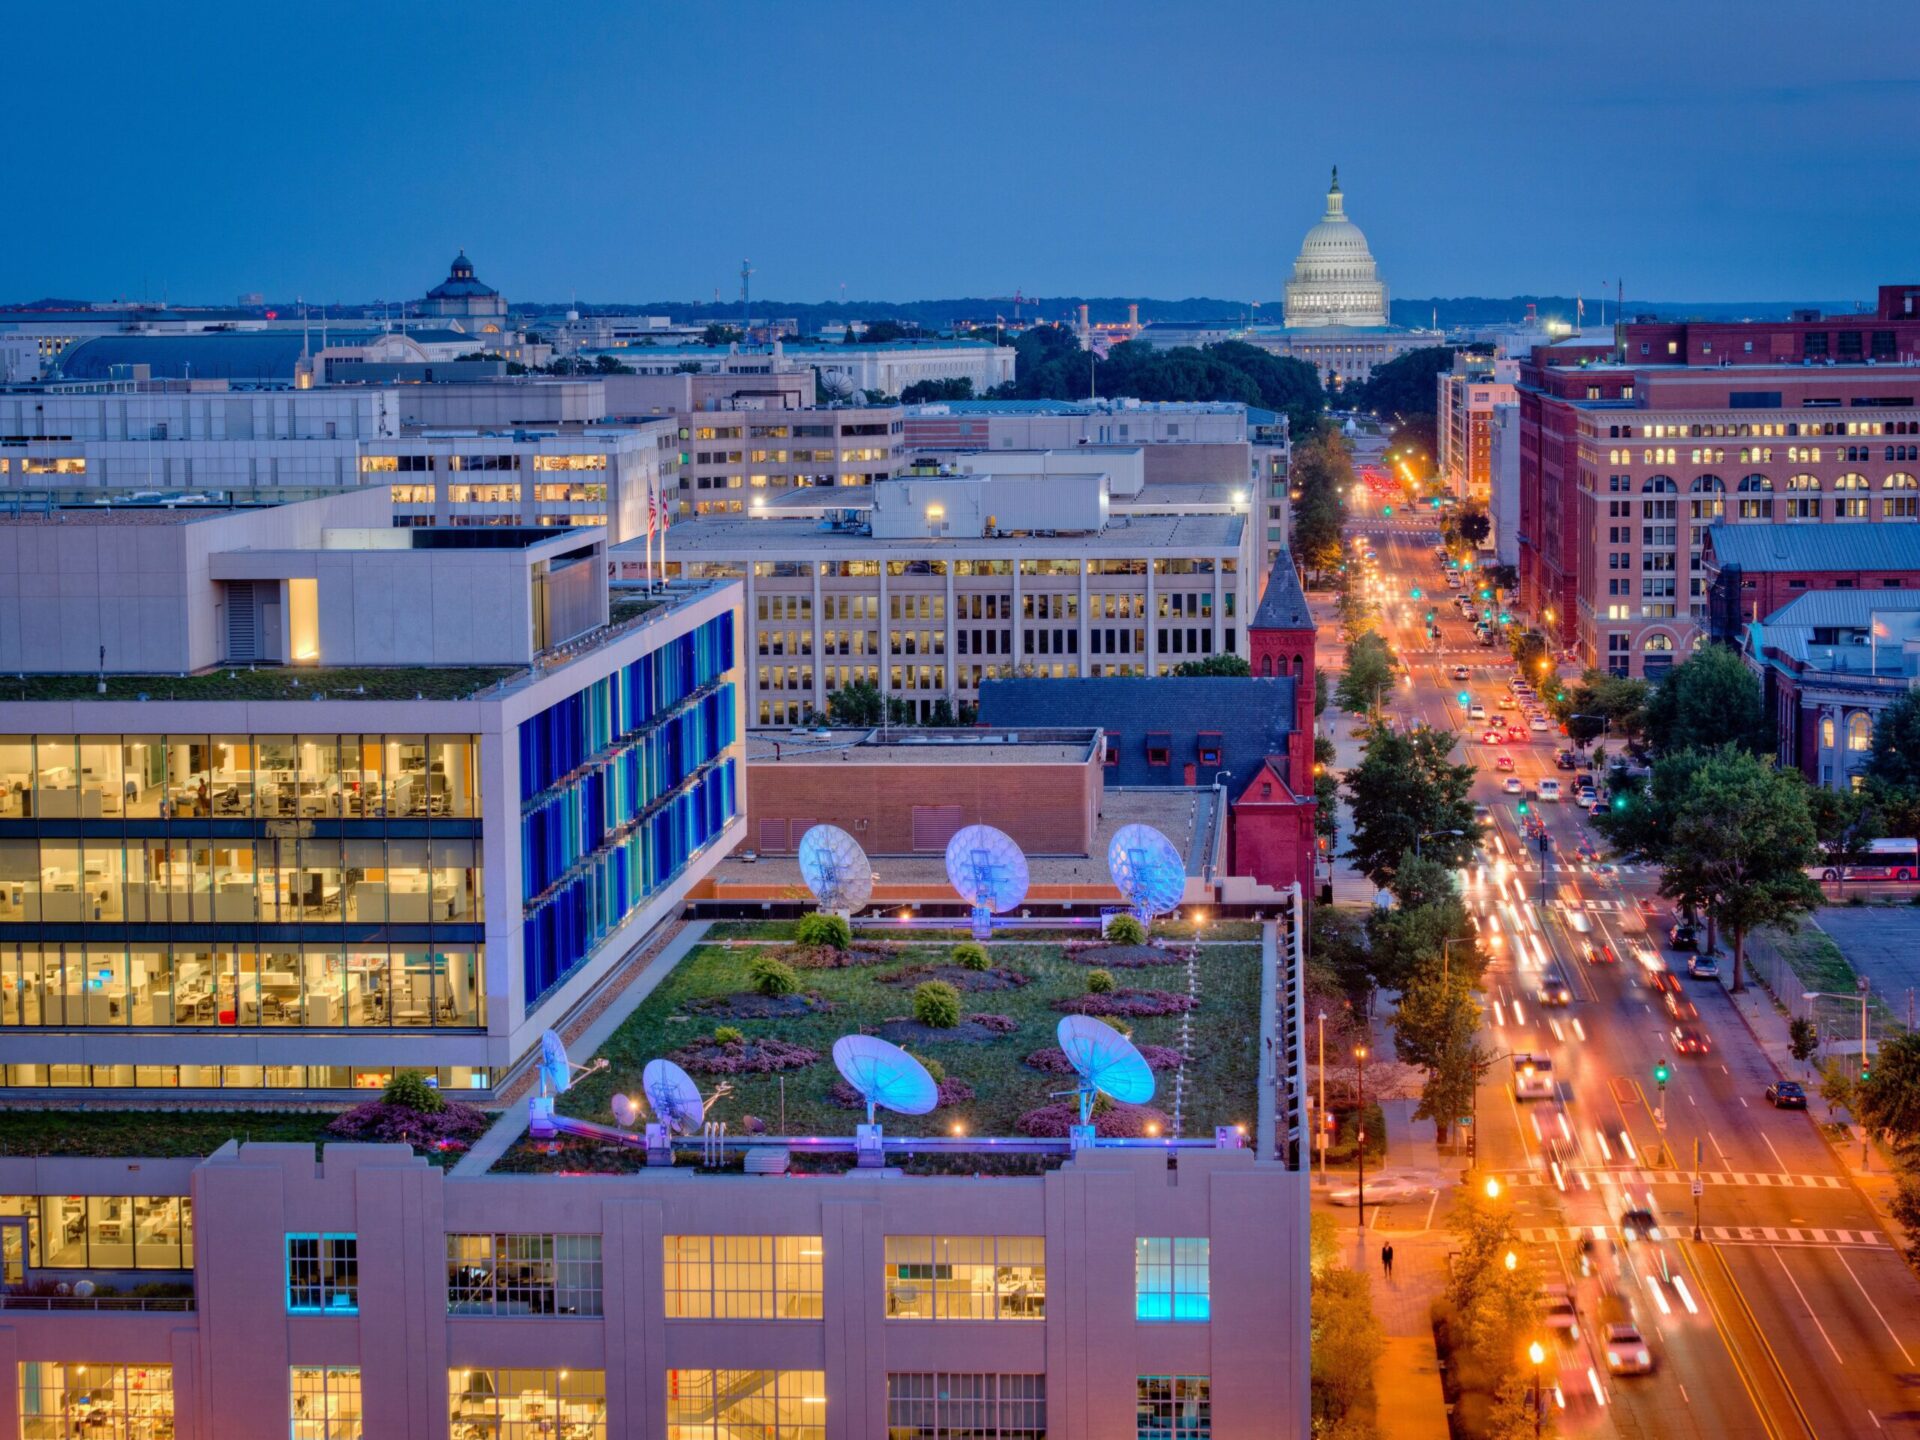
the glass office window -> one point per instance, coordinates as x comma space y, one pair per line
323, 1275
324, 1402
1173, 1407
523, 1275
942, 1406
1171, 1279
527, 1404
16, 777
766, 1404
743, 1277
966, 1277
232, 771
69, 1401
102, 791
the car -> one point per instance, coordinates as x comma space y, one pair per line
1482, 815
1384, 1191
1679, 1006
1601, 954
1639, 1225
1513, 786
1584, 780
1495, 737
1684, 937
1503, 761
1550, 790
1477, 711
1537, 722
1532, 1077
1460, 672
1690, 1040
1486, 638
1587, 799
1703, 967
1786, 1095
1503, 702
1565, 760
1558, 1312
1515, 735
1554, 992
1627, 1352
1596, 809
1664, 981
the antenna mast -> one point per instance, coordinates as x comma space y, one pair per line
746, 312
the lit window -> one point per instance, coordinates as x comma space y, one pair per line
1859, 732
1170, 1279
1173, 1405
95, 1402
966, 1277
743, 1277
323, 1275
766, 1404
523, 1275
325, 1402
941, 1406
523, 1404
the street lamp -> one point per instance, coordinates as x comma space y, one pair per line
1866, 1071
1537, 1353
1360, 1055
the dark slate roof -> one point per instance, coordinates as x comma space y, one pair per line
1762, 548
1253, 719
246, 357
1284, 606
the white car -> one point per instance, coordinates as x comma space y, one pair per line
1385, 1191
1627, 1352
1513, 786
1550, 789
1558, 1312
1538, 722
1477, 712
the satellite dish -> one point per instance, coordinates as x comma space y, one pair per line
885, 1075
1105, 1060
556, 1074
673, 1096
835, 869
985, 865
1147, 870
626, 1111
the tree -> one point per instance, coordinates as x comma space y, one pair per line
1741, 840
922, 391
1405, 385
1403, 945
876, 332
941, 715
1844, 820
718, 333
1435, 1026
1837, 1085
1319, 521
1889, 1099
1233, 666
1320, 694
1473, 526
1369, 674
1405, 794
856, 705
1711, 699
1803, 1039
1895, 760
1600, 703
1346, 1344
611, 365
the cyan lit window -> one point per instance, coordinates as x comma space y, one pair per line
1170, 1279
323, 1275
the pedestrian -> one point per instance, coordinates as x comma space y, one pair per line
1386, 1258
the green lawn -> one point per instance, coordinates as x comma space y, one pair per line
1821, 965
1222, 1075
271, 683
1162, 929
150, 1132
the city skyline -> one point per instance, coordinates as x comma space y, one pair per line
626, 155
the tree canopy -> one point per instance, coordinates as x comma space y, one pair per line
1405, 385
1405, 792
1229, 665
1370, 671
1711, 699
921, 391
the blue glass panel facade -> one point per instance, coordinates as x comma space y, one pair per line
621, 785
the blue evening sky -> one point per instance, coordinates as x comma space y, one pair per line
635, 151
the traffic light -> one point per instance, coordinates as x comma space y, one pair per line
1505, 618
1559, 696
1485, 593
1429, 617
1661, 1074
1523, 807
1619, 802
1865, 1074
1416, 592
1387, 510
1464, 699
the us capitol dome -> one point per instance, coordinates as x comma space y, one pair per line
1335, 280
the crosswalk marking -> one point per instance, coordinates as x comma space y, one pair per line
1722, 1234
1627, 1176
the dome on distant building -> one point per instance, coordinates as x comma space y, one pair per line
1335, 280
462, 294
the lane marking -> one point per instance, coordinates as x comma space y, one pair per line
1782, 1262
1876, 1310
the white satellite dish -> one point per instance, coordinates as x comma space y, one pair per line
556, 1071
1106, 1062
989, 871
1147, 870
673, 1096
626, 1111
835, 869
885, 1075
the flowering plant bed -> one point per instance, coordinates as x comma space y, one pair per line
1119, 1122
952, 1092
1053, 1060
1125, 957
760, 1055
958, 976
745, 1005
1129, 1002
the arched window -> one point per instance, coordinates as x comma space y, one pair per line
1826, 732
1754, 484
1657, 643
1266, 666
1299, 667
1659, 485
1851, 482
1803, 482
1859, 732
1756, 498
1707, 485
1900, 482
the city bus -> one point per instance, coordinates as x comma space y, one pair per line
1892, 859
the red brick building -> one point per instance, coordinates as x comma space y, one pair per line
1754, 570
1631, 452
